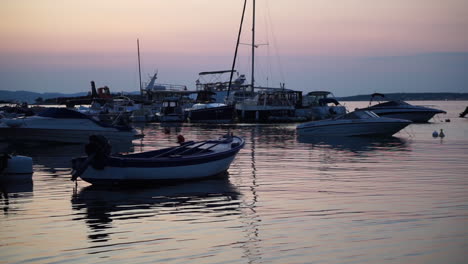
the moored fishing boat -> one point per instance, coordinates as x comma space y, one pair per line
189, 161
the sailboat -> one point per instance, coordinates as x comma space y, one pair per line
267, 104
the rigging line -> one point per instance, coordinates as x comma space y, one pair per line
237, 46
253, 46
275, 43
267, 35
139, 67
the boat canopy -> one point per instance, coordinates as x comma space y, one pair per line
215, 72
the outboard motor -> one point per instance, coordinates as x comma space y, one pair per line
4, 157
99, 147
98, 150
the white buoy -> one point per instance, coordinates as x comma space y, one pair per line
17, 168
435, 134
441, 134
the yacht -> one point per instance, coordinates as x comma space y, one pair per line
357, 123
403, 110
207, 110
270, 105
318, 105
62, 125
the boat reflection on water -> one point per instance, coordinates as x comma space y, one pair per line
13, 189
105, 205
357, 144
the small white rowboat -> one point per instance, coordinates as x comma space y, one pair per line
188, 161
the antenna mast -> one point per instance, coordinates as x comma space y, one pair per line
237, 47
139, 66
253, 45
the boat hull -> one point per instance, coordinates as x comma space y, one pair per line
361, 128
221, 114
255, 113
171, 118
140, 175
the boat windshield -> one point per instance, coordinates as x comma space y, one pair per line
391, 103
55, 112
359, 115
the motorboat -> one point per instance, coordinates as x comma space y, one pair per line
357, 123
171, 111
211, 113
62, 125
270, 105
207, 110
188, 161
318, 105
403, 110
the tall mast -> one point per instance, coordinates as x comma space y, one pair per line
253, 45
237, 47
139, 66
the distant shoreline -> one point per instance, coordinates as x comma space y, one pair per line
410, 97
30, 97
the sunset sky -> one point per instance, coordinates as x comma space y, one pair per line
347, 47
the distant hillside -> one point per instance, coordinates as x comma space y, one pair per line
410, 97
30, 97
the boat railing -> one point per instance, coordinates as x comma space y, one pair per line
167, 87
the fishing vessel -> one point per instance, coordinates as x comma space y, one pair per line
188, 161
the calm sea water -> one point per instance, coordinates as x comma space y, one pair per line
285, 200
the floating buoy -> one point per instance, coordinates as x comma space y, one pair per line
441, 134
435, 134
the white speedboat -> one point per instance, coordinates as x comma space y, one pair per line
357, 123
189, 161
403, 110
62, 125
